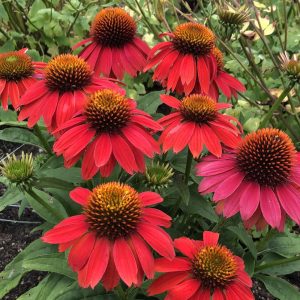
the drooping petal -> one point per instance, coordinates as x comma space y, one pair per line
249, 200
103, 149
184, 290
125, 261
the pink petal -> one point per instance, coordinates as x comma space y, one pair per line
247, 207
270, 207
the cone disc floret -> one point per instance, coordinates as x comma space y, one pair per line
215, 266
113, 210
219, 57
113, 27
67, 72
266, 157
107, 111
15, 66
198, 108
193, 38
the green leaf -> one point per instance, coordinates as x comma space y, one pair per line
286, 246
72, 175
150, 102
13, 272
19, 135
280, 288
55, 262
8, 115
43, 211
244, 237
50, 182
11, 196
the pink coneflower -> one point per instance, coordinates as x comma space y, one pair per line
110, 130
206, 271
260, 179
112, 238
17, 73
185, 63
224, 81
195, 123
62, 92
113, 47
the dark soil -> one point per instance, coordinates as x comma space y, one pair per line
14, 237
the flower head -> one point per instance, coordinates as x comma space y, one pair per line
259, 179
185, 63
291, 66
206, 269
222, 80
197, 123
62, 92
232, 17
113, 236
113, 47
158, 175
18, 170
17, 74
110, 130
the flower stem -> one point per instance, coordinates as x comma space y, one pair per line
37, 131
277, 263
275, 106
188, 167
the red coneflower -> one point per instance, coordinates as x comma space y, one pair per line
62, 92
197, 123
111, 129
260, 179
17, 74
224, 81
207, 271
186, 63
113, 46
111, 238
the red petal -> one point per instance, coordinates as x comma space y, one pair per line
178, 264
248, 208
211, 141
88, 168
203, 75
150, 198
103, 150
80, 252
96, 265
144, 255
185, 290
186, 246
210, 238
171, 101
125, 261
187, 69
80, 195
156, 217
111, 277
158, 239
196, 142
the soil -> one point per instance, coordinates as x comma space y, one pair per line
14, 237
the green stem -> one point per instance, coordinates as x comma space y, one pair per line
43, 203
37, 131
151, 27
277, 263
188, 167
276, 105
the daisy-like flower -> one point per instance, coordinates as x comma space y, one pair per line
110, 130
113, 47
206, 271
111, 238
17, 73
62, 92
291, 66
224, 81
196, 122
260, 179
185, 63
